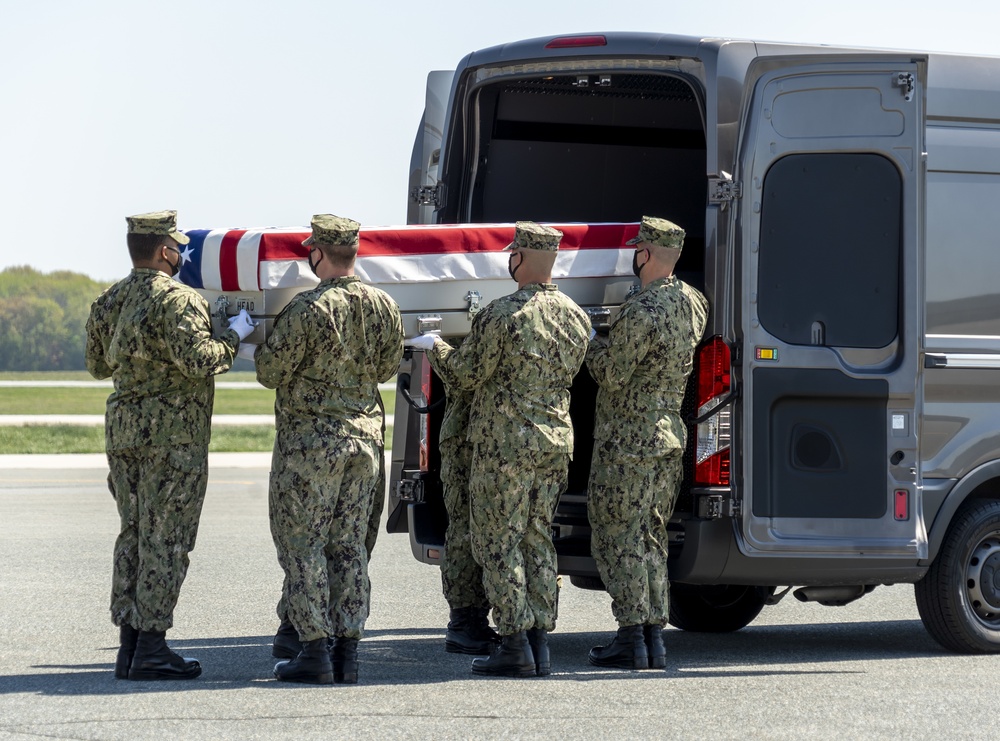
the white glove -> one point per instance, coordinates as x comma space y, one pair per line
593, 333
242, 323
246, 351
423, 342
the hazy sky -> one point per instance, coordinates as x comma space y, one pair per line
242, 113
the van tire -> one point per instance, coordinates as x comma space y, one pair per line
959, 597
587, 582
715, 608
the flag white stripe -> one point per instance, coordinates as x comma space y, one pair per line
450, 266
247, 266
211, 277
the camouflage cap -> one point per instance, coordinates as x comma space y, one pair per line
531, 236
333, 231
659, 232
157, 222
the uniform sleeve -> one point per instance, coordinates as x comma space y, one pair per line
612, 362
97, 332
190, 344
392, 348
283, 352
471, 364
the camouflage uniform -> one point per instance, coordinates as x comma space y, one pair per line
520, 357
328, 351
641, 370
461, 576
153, 336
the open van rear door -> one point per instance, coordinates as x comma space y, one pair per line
830, 225
425, 189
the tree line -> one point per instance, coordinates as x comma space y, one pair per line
43, 318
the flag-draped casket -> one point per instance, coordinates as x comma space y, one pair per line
440, 275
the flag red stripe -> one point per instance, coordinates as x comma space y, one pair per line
228, 270
438, 239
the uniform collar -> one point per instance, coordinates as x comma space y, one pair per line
341, 280
659, 282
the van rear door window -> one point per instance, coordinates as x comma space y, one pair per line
830, 250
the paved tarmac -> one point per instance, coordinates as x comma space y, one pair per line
868, 670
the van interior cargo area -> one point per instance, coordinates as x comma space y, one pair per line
600, 147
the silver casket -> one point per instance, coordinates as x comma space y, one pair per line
439, 275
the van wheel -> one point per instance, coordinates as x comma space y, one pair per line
587, 582
959, 597
715, 608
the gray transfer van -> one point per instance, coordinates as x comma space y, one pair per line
841, 212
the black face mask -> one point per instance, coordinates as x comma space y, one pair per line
313, 266
175, 267
636, 268
513, 271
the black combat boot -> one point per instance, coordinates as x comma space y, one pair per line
539, 641
626, 651
512, 658
344, 654
154, 660
128, 636
469, 632
311, 666
653, 638
286, 642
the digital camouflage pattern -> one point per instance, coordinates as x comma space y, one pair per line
333, 231
629, 502
531, 236
461, 575
328, 351
159, 492
319, 502
153, 337
659, 233
642, 366
157, 222
514, 498
641, 370
519, 358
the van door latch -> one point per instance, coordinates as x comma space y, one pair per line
721, 190
715, 506
428, 195
907, 81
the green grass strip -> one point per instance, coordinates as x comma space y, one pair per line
44, 400
83, 439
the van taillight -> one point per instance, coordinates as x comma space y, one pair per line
569, 42
425, 419
713, 436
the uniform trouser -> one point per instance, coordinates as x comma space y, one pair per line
378, 504
320, 500
374, 520
629, 501
513, 503
159, 493
461, 576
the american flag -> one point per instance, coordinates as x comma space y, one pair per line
260, 259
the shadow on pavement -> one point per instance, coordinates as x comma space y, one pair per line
417, 656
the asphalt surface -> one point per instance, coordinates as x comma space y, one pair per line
868, 670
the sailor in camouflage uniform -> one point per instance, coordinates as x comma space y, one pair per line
328, 351
469, 629
153, 336
520, 357
641, 369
